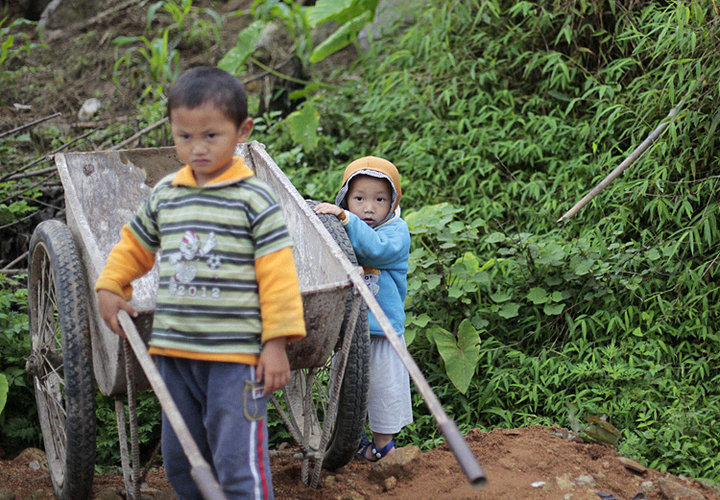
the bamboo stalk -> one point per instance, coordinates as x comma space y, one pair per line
625, 164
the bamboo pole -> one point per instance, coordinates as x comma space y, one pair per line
625, 164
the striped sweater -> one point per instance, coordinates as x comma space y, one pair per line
227, 278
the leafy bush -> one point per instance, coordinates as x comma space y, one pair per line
500, 115
18, 420
13, 42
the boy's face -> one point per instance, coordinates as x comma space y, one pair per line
370, 198
205, 139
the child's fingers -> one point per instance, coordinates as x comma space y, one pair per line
276, 382
114, 325
128, 309
325, 208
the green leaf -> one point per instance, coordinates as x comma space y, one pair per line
553, 309
247, 40
421, 320
460, 353
342, 37
653, 254
495, 237
125, 40
409, 335
304, 92
584, 267
509, 310
303, 126
500, 296
537, 295
601, 431
151, 13
433, 281
575, 424
4, 389
325, 10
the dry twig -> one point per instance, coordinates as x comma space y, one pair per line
17, 174
28, 125
9, 266
633, 156
139, 134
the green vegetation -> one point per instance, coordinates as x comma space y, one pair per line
500, 116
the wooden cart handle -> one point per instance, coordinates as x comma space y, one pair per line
200, 470
463, 454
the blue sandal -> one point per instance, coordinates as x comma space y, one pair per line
363, 446
375, 453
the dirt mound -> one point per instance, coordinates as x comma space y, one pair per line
533, 462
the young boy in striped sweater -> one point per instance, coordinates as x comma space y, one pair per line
228, 298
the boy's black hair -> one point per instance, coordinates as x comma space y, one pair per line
204, 84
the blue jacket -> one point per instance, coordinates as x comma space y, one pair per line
385, 249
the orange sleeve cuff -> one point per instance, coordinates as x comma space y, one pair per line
280, 301
127, 261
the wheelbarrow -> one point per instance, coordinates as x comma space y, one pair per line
72, 349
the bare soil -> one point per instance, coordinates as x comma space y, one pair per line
532, 462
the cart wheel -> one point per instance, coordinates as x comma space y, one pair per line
61, 358
352, 400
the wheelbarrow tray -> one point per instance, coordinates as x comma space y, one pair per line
103, 190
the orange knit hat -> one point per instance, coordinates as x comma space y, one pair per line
369, 165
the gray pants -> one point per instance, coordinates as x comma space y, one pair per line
225, 413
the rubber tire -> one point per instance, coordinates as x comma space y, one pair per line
352, 403
58, 281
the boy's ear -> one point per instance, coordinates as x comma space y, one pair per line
244, 130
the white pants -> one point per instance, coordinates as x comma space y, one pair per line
389, 405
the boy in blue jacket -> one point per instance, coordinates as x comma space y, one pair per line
368, 205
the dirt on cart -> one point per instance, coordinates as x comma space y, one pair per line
528, 463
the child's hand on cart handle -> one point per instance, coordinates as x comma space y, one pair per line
273, 368
109, 304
